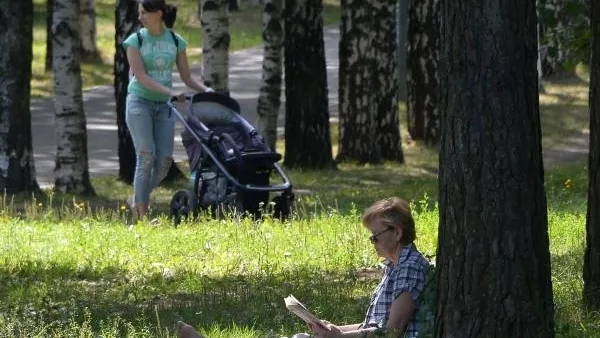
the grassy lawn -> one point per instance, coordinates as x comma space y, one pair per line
245, 30
71, 271
72, 267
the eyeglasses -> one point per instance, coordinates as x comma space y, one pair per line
373, 238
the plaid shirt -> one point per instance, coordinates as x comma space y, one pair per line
409, 275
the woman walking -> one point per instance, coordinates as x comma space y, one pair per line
152, 52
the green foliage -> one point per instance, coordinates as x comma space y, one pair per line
566, 26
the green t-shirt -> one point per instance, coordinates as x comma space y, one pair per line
159, 54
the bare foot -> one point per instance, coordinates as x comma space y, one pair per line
186, 331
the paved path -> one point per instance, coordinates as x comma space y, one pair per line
245, 70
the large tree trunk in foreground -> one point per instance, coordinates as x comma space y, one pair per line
493, 260
71, 171
269, 99
126, 14
214, 18
307, 136
591, 263
17, 170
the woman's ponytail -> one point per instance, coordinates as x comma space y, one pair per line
169, 15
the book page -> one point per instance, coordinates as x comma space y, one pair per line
301, 311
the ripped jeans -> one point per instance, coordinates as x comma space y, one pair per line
152, 128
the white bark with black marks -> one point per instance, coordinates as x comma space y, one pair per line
71, 170
214, 19
402, 34
87, 22
368, 90
269, 99
423, 113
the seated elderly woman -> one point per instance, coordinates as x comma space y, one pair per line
396, 308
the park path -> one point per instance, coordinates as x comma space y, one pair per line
245, 67
245, 71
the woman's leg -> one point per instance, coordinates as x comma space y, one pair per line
139, 121
164, 133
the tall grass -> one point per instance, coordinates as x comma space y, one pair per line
70, 271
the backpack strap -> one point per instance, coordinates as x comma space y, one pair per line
175, 40
141, 39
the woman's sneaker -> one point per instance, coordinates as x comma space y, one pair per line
131, 203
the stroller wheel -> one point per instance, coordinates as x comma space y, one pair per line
183, 204
282, 207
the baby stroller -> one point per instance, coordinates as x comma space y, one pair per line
230, 163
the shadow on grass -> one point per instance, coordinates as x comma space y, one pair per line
61, 293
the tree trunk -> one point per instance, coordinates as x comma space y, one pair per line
553, 47
126, 14
357, 103
591, 262
369, 123
214, 19
386, 87
71, 171
269, 99
307, 136
423, 115
493, 260
17, 170
402, 35
49, 9
233, 6
87, 22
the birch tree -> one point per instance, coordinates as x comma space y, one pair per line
269, 98
493, 261
368, 89
402, 35
214, 19
71, 170
87, 24
386, 76
357, 104
423, 82
17, 171
591, 263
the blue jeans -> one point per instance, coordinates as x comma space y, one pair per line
152, 128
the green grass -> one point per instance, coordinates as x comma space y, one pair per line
66, 271
245, 31
564, 107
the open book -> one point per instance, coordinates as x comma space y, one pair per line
301, 311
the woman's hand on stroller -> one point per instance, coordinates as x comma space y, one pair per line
178, 95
